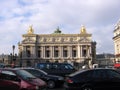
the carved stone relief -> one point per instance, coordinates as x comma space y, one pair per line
29, 40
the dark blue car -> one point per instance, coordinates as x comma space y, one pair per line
51, 80
93, 79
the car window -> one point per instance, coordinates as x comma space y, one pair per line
8, 75
77, 72
24, 74
41, 66
113, 74
66, 66
84, 75
88, 74
70, 66
99, 74
36, 72
55, 66
2, 65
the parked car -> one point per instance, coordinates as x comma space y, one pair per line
2, 65
93, 79
60, 69
52, 80
18, 79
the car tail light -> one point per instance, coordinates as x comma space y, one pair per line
69, 81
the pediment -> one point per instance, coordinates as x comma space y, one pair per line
84, 40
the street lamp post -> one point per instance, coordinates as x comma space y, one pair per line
13, 47
20, 59
3, 58
10, 58
13, 56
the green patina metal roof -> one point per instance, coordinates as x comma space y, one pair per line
57, 31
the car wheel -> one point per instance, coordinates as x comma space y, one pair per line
51, 84
87, 88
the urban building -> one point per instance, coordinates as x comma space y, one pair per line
116, 40
77, 49
4, 59
105, 60
9, 59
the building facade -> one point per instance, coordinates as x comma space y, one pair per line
116, 40
105, 60
56, 47
5, 59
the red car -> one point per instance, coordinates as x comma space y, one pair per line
17, 79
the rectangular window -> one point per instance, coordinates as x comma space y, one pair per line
47, 53
28, 53
39, 53
84, 53
65, 53
56, 53
74, 53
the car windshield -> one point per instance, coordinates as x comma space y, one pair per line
25, 75
43, 72
69, 66
36, 72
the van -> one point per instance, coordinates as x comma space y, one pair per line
61, 69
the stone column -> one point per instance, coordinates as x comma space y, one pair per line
90, 48
89, 52
81, 51
43, 51
60, 54
24, 52
33, 51
71, 51
78, 51
51, 52
61, 51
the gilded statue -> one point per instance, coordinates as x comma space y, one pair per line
83, 29
30, 30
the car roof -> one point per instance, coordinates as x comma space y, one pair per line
29, 68
85, 70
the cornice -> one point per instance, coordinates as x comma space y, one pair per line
63, 35
29, 35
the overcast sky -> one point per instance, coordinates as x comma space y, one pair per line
98, 16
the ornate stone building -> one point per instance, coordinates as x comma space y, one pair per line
116, 40
57, 47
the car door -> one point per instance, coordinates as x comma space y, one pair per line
8, 81
114, 79
100, 79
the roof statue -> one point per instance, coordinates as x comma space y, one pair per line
117, 26
30, 30
83, 30
57, 31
